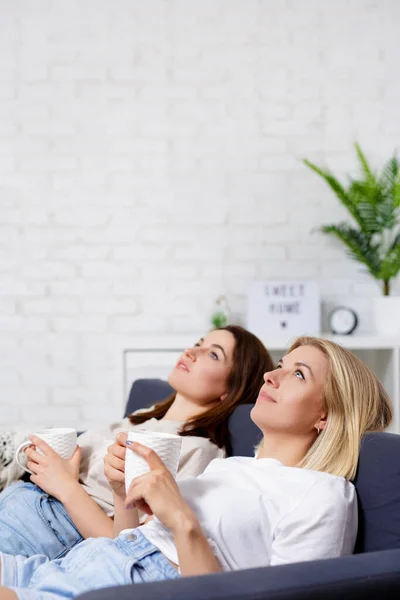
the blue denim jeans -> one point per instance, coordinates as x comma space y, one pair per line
32, 522
95, 563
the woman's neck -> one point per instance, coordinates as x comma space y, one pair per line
286, 448
183, 409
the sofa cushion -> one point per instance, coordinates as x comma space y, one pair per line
245, 435
145, 392
363, 577
378, 489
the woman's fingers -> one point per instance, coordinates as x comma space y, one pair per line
135, 498
121, 438
137, 481
114, 475
33, 466
43, 447
140, 487
33, 455
117, 450
140, 505
115, 463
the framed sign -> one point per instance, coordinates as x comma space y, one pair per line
289, 308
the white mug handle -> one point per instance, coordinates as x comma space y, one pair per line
19, 450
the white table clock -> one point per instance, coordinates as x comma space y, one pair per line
343, 320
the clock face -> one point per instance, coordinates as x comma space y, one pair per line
342, 320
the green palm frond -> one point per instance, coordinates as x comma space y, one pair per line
390, 174
335, 185
368, 218
359, 245
387, 214
364, 200
390, 180
373, 200
396, 193
330, 179
390, 265
369, 175
395, 242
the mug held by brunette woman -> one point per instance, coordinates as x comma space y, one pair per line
69, 500
293, 502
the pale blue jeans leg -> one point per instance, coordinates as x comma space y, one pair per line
92, 565
32, 522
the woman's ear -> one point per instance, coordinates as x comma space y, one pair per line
322, 422
224, 396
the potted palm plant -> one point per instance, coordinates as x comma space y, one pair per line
373, 237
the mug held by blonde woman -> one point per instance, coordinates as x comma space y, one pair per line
166, 445
63, 440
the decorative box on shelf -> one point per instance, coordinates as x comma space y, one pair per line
283, 308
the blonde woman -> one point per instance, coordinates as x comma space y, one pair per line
293, 502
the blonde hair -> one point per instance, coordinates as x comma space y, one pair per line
355, 401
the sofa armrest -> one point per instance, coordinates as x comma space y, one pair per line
362, 576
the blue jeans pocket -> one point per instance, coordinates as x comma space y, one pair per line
58, 522
31, 522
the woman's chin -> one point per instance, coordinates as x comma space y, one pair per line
258, 417
172, 378
253, 415
178, 380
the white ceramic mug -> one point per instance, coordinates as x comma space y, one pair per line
166, 445
62, 440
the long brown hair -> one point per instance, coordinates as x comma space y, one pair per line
250, 361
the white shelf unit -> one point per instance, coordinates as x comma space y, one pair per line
154, 356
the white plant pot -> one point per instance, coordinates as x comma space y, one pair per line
386, 315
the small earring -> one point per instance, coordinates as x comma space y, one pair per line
318, 430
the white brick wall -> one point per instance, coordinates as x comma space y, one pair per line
150, 160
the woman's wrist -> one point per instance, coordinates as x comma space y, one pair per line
69, 491
186, 523
119, 497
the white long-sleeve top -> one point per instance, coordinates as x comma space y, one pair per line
258, 512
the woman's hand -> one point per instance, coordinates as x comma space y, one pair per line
53, 474
157, 493
114, 465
